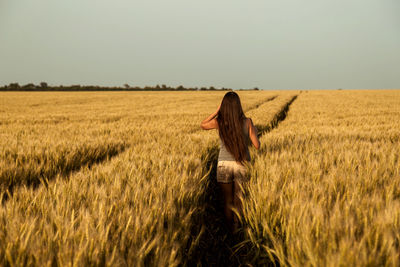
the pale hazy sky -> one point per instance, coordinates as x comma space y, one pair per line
271, 44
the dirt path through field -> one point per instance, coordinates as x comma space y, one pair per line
215, 246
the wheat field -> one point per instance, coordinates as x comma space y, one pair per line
128, 179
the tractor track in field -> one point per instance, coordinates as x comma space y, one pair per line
216, 247
40, 177
278, 117
256, 105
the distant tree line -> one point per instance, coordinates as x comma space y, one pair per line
43, 86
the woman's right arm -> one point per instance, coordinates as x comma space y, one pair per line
210, 122
253, 135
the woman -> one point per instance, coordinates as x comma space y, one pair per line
235, 131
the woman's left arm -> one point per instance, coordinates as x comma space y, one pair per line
210, 122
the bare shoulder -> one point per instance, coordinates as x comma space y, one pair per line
249, 122
214, 123
209, 125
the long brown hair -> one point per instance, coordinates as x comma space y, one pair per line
230, 124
